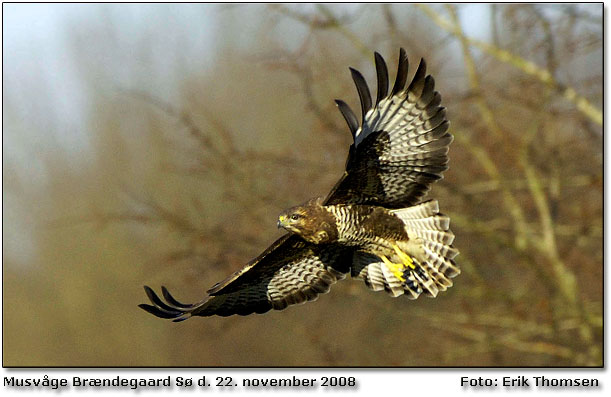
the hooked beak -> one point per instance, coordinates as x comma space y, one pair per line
281, 221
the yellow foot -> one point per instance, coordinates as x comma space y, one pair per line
407, 260
395, 268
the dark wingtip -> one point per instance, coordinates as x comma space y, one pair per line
157, 312
363, 90
171, 300
426, 92
157, 301
349, 116
382, 73
149, 291
419, 77
161, 309
401, 72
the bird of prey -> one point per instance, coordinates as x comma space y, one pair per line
373, 224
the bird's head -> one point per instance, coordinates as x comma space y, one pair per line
310, 220
294, 219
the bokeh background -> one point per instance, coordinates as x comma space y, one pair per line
156, 144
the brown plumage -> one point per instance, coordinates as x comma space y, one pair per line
370, 225
312, 221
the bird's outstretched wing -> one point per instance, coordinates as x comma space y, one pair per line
290, 271
401, 146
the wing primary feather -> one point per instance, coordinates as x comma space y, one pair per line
349, 116
436, 101
437, 118
427, 95
363, 89
155, 311
156, 301
401, 73
158, 312
171, 300
418, 81
382, 73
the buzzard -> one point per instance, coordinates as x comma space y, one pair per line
373, 224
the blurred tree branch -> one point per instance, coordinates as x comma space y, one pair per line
330, 21
520, 63
294, 64
474, 81
521, 229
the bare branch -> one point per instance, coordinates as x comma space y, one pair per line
530, 68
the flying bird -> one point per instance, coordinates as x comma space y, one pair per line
373, 224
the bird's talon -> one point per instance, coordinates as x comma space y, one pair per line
407, 260
395, 268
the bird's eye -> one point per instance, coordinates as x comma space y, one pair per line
295, 217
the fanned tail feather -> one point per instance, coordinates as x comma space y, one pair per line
425, 223
378, 277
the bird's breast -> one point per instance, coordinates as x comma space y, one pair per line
366, 226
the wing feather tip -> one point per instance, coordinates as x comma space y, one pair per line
349, 116
382, 74
402, 70
363, 91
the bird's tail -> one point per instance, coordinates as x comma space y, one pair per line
434, 266
429, 266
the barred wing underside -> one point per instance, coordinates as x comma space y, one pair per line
290, 271
402, 145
